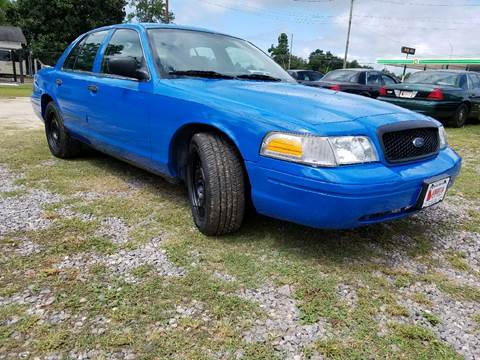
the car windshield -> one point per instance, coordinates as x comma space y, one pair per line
342, 75
434, 78
196, 53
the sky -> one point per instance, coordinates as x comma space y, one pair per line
436, 28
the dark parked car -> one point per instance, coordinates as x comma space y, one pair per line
356, 81
450, 96
305, 77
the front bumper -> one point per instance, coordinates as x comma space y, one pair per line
435, 109
344, 197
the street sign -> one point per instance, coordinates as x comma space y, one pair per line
408, 51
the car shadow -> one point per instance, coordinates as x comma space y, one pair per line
364, 242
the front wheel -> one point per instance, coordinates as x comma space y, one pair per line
460, 117
216, 185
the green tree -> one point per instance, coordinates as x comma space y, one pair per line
4, 5
326, 61
151, 11
50, 26
298, 62
281, 52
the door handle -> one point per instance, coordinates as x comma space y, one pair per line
58, 82
92, 88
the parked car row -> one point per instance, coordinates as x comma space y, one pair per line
450, 96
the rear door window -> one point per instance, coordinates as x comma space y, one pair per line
300, 75
388, 80
463, 83
474, 81
374, 79
72, 57
88, 51
125, 43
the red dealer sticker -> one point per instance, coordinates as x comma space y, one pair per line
435, 192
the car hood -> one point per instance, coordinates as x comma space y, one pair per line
289, 102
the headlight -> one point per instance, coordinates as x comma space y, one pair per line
442, 136
318, 150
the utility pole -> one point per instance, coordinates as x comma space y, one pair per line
404, 68
290, 55
348, 34
167, 12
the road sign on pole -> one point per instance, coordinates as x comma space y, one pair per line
408, 50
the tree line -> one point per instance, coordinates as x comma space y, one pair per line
49, 25
318, 60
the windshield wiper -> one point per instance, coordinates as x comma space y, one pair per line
258, 77
201, 73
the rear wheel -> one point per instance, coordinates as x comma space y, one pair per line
460, 118
216, 185
61, 144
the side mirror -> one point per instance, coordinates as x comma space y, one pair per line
128, 67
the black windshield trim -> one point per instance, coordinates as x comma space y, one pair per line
201, 73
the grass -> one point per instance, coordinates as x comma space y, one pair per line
476, 318
265, 251
22, 90
457, 260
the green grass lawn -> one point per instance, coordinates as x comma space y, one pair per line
23, 90
313, 262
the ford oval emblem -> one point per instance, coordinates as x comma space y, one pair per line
418, 142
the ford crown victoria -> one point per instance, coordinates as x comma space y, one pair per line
215, 112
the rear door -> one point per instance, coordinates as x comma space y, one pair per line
374, 83
474, 94
72, 79
119, 108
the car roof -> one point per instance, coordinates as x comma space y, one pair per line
299, 70
354, 69
160, 26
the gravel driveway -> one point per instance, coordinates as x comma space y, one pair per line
100, 260
17, 113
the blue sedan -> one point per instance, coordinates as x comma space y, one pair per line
216, 113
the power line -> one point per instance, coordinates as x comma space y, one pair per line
330, 19
399, 3
394, 2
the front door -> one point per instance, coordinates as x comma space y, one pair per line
119, 107
474, 95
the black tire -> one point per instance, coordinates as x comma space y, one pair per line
460, 118
216, 185
59, 141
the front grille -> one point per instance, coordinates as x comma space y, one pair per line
400, 146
